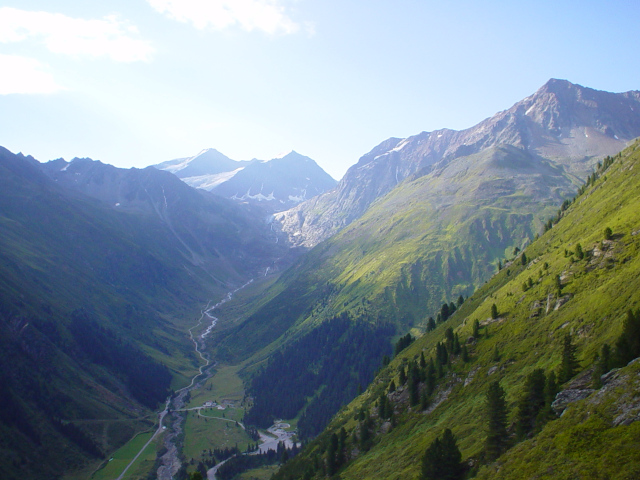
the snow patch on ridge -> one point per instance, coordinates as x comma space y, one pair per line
259, 197
209, 182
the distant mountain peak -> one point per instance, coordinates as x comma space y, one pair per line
276, 184
286, 153
568, 124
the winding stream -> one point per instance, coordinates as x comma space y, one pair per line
176, 402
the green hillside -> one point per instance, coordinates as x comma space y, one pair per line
94, 306
429, 241
575, 279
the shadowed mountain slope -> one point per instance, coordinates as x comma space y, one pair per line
95, 300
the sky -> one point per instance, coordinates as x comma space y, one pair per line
137, 82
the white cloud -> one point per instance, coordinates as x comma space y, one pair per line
265, 15
25, 75
108, 36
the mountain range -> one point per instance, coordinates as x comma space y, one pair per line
564, 125
275, 185
563, 310
104, 271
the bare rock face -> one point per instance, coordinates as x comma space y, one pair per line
567, 125
564, 398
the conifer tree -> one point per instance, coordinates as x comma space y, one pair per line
448, 336
550, 392
430, 377
424, 400
569, 366
531, 402
602, 365
496, 408
628, 344
442, 459
523, 258
494, 311
465, 354
403, 375
414, 383
444, 312
456, 345
476, 328
431, 324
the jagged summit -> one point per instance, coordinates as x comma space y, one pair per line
208, 162
570, 125
276, 185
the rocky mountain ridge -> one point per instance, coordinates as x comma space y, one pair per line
566, 124
274, 185
213, 233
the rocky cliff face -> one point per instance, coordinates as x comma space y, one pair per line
569, 125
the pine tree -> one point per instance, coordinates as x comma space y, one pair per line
444, 312
403, 375
476, 329
414, 383
392, 386
550, 392
465, 354
558, 286
569, 366
430, 378
442, 459
456, 345
494, 311
523, 258
602, 365
531, 402
628, 343
448, 336
431, 324
496, 408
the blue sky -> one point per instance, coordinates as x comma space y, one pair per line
138, 82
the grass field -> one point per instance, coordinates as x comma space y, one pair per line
121, 458
224, 385
262, 473
202, 434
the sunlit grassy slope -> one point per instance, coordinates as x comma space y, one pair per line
428, 241
596, 293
